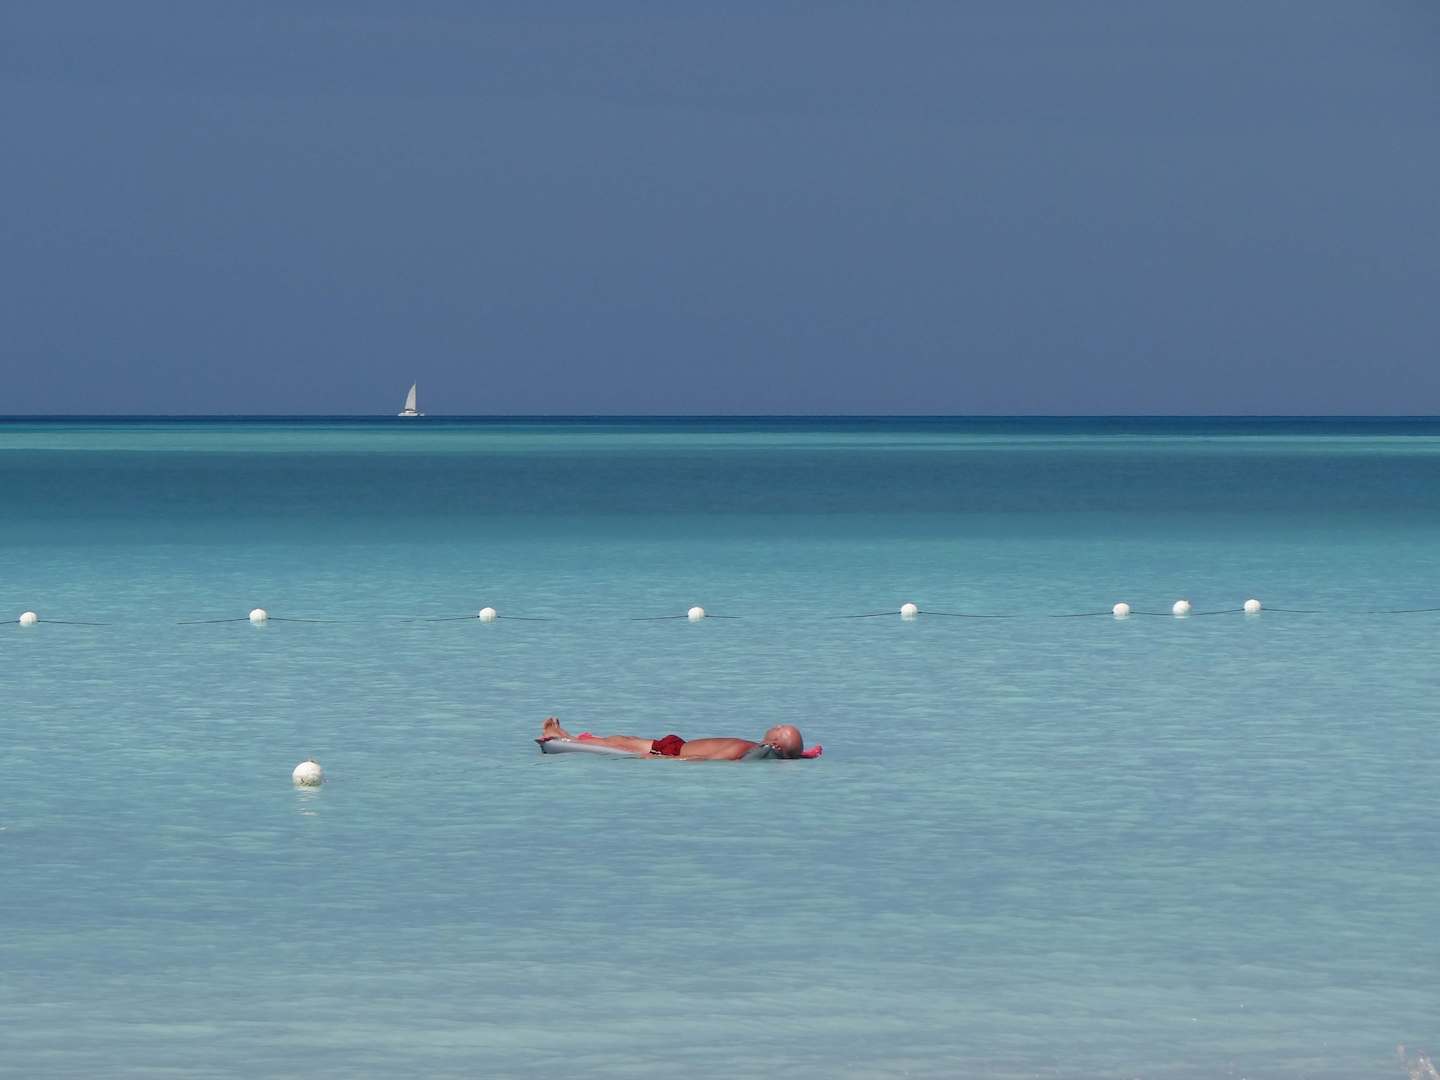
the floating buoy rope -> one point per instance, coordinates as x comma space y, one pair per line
909, 612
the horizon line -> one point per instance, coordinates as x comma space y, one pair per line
11, 417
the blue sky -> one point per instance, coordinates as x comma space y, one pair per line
720, 208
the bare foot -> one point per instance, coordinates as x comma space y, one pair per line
551, 729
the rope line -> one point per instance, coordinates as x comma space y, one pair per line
861, 615
959, 615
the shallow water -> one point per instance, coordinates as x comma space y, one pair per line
1035, 846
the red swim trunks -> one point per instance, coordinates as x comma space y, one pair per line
669, 746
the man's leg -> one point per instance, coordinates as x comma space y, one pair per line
622, 742
551, 729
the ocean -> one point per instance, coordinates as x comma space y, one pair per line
1035, 846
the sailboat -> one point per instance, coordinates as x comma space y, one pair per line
410, 409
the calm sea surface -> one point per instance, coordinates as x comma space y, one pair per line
1034, 847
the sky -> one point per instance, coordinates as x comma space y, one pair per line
630, 207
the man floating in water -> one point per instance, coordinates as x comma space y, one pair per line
783, 740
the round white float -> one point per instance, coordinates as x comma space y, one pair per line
1181, 608
1121, 611
308, 774
259, 615
696, 613
28, 618
908, 611
1252, 606
488, 614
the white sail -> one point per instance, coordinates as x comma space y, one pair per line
410, 409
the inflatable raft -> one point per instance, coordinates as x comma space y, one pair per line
587, 746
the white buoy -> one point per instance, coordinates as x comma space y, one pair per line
28, 618
1252, 606
308, 774
696, 613
908, 611
1181, 608
488, 614
1121, 611
259, 616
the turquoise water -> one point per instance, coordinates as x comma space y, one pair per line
1034, 847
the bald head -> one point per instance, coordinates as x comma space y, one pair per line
785, 738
